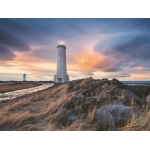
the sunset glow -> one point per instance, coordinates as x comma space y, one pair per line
101, 48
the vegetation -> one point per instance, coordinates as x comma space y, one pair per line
44, 110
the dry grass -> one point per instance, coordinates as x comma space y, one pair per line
142, 123
16, 120
14, 106
13, 87
42, 111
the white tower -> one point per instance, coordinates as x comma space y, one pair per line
24, 77
61, 75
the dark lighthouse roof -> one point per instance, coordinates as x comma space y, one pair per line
61, 45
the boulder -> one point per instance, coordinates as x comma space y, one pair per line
69, 118
132, 97
111, 116
140, 90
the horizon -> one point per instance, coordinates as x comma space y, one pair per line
101, 48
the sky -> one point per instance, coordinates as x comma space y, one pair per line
97, 47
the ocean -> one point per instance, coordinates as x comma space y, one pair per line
132, 83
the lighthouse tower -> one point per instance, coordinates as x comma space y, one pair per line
61, 75
24, 77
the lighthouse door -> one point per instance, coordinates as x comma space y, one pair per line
59, 80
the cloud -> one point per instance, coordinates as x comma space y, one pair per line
127, 50
137, 47
88, 61
12, 41
5, 53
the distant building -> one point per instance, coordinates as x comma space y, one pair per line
24, 77
61, 75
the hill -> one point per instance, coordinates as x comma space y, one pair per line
85, 104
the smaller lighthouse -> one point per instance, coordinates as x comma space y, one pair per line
24, 77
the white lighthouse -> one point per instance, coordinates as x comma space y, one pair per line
61, 75
24, 77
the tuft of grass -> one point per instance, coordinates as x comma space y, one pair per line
142, 123
16, 120
18, 104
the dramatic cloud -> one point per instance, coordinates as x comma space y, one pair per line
95, 47
13, 42
5, 53
137, 47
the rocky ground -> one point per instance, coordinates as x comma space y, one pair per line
85, 104
115, 104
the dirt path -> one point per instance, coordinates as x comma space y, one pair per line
18, 93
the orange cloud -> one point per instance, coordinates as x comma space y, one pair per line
140, 76
140, 68
36, 66
88, 61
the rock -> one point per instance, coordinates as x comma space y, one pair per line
124, 100
79, 110
102, 100
105, 85
69, 118
77, 88
105, 94
140, 90
88, 94
81, 96
90, 101
85, 92
132, 97
97, 91
75, 101
114, 98
85, 107
111, 116
117, 83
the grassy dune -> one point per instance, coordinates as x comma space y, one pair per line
13, 87
43, 110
